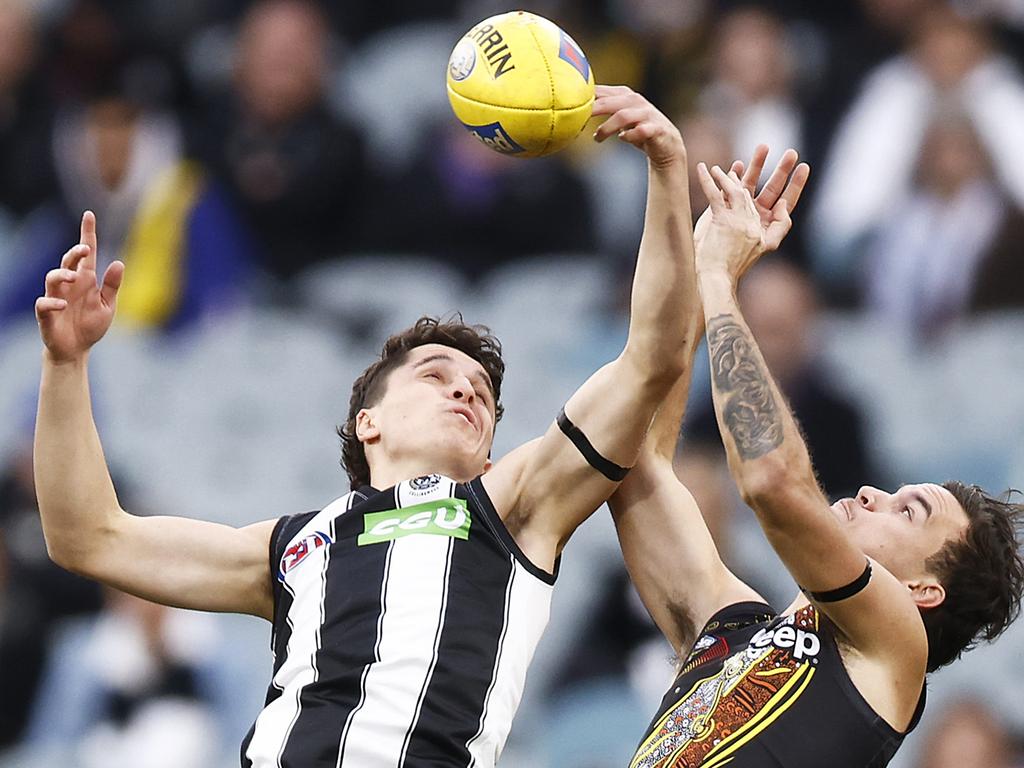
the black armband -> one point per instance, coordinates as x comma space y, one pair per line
851, 589
609, 469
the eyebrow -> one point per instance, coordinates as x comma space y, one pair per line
918, 496
479, 376
432, 359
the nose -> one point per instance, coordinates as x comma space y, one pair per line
462, 389
869, 497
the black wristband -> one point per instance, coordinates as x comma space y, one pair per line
851, 589
609, 469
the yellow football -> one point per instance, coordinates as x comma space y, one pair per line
520, 84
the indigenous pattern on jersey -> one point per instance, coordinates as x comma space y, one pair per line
404, 622
761, 690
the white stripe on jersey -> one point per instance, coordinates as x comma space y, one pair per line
417, 587
307, 587
527, 611
376, 658
433, 661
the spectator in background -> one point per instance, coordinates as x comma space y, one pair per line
952, 244
967, 735
752, 84
118, 153
26, 168
709, 141
781, 306
294, 170
34, 594
874, 156
476, 209
130, 688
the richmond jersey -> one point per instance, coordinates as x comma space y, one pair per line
761, 690
404, 622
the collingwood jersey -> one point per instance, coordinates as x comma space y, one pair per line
761, 690
404, 622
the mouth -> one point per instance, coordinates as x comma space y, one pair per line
844, 506
466, 414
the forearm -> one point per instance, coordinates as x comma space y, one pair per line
664, 434
763, 443
664, 284
76, 497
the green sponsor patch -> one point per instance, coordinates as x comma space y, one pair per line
441, 517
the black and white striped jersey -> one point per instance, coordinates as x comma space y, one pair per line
404, 622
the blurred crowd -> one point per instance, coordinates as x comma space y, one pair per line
245, 154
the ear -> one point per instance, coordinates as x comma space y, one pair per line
927, 594
487, 465
367, 429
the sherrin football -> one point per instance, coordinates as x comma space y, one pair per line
520, 84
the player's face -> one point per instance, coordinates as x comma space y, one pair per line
902, 530
438, 404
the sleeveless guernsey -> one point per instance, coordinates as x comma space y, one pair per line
760, 690
404, 622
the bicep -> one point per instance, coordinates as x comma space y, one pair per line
613, 410
188, 563
670, 554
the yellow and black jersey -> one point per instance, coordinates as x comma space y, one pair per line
760, 690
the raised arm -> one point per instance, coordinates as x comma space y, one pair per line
175, 561
668, 549
547, 488
770, 463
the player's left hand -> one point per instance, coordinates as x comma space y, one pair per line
731, 240
638, 122
777, 198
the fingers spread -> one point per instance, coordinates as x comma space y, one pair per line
796, 186
112, 282
756, 167
730, 185
777, 181
780, 226
711, 191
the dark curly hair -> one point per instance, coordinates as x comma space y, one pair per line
474, 340
982, 573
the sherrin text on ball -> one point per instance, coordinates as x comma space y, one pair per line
520, 84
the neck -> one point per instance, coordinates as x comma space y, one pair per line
384, 474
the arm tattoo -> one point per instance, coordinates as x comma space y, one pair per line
749, 410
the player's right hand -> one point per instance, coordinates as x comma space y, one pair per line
636, 121
75, 312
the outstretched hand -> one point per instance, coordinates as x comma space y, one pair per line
638, 122
731, 238
776, 200
75, 311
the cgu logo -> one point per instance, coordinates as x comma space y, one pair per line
803, 643
441, 517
